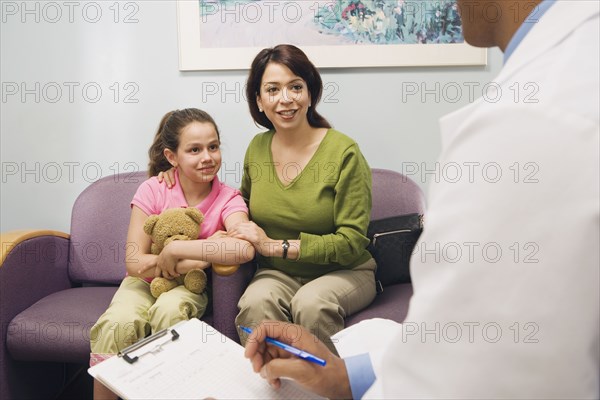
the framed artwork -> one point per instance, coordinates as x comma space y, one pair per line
227, 34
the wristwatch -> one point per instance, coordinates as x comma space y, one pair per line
285, 245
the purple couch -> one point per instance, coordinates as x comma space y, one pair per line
54, 286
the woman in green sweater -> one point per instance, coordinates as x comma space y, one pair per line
309, 193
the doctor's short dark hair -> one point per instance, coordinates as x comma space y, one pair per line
295, 59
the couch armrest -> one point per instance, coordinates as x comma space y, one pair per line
11, 239
34, 265
226, 292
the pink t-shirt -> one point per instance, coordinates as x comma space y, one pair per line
153, 198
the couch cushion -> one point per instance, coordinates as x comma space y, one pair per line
57, 327
392, 304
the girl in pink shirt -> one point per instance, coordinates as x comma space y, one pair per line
189, 141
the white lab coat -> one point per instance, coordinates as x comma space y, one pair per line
506, 273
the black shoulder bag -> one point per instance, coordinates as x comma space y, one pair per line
392, 242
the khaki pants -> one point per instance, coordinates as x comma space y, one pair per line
134, 313
320, 304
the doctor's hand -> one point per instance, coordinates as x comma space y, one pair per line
273, 363
168, 177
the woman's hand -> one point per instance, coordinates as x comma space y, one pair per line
168, 177
274, 363
217, 235
254, 234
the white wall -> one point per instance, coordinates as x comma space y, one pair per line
58, 134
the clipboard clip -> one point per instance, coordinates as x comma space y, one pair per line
136, 346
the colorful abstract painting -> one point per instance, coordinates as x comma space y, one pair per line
241, 23
335, 33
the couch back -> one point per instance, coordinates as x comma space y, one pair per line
395, 194
100, 219
99, 223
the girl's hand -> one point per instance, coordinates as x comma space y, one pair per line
254, 234
167, 261
168, 177
150, 265
185, 266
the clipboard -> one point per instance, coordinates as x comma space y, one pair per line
127, 352
190, 360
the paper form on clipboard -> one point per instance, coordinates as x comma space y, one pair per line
195, 362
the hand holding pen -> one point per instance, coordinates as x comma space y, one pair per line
274, 361
290, 349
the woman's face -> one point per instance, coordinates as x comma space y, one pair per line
284, 97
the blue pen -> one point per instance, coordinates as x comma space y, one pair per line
297, 352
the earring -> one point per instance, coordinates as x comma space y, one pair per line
260, 109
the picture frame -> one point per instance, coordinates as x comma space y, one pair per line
266, 23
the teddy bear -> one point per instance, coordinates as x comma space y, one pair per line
175, 224
179, 224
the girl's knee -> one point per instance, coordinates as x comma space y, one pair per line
169, 311
115, 332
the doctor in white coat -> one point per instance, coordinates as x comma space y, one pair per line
514, 309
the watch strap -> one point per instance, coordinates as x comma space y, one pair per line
285, 245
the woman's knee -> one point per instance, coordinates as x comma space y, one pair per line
254, 300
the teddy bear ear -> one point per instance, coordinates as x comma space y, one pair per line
194, 214
149, 224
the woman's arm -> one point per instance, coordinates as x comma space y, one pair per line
262, 243
351, 210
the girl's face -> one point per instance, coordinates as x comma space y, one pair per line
284, 97
198, 156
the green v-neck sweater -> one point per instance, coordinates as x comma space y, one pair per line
327, 206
